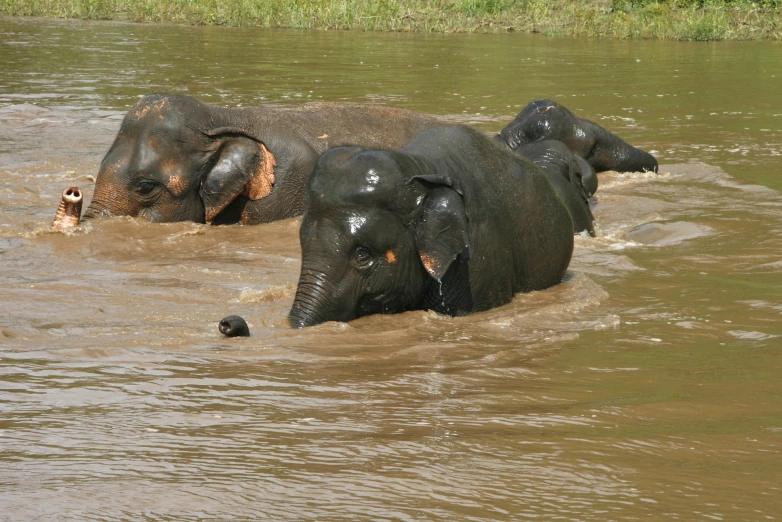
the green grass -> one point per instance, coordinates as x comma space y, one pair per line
674, 19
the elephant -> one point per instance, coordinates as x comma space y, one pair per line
176, 158
452, 222
554, 155
572, 177
603, 150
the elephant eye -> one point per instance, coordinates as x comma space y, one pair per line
146, 186
363, 256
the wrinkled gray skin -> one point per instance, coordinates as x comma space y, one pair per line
569, 174
555, 156
178, 159
453, 222
603, 150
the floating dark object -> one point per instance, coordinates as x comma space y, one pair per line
234, 326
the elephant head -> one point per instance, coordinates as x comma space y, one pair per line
380, 230
178, 159
603, 150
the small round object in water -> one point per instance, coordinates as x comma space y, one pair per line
234, 326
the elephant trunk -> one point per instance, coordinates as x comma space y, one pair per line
643, 161
616, 154
107, 202
315, 300
234, 326
96, 209
627, 158
69, 212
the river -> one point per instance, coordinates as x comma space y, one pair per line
646, 386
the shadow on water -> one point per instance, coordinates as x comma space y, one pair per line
646, 385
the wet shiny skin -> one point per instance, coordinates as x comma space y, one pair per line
645, 386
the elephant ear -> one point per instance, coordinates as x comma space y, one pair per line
441, 231
243, 166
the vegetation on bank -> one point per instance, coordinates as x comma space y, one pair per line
673, 19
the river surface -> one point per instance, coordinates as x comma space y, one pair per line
646, 386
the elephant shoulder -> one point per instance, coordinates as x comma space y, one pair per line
448, 142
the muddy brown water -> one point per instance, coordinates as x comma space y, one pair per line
647, 386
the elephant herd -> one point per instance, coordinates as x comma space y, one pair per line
400, 210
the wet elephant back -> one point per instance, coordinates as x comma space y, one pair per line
297, 135
565, 173
327, 125
520, 231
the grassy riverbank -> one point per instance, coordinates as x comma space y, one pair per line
676, 19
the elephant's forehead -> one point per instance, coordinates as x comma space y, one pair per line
372, 181
355, 185
168, 124
155, 109
362, 222
175, 143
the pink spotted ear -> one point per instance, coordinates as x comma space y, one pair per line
244, 166
441, 233
260, 184
442, 227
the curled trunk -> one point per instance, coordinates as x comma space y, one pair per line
317, 301
234, 326
69, 211
613, 153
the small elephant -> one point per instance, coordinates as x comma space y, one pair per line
176, 158
555, 156
572, 177
453, 222
545, 119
